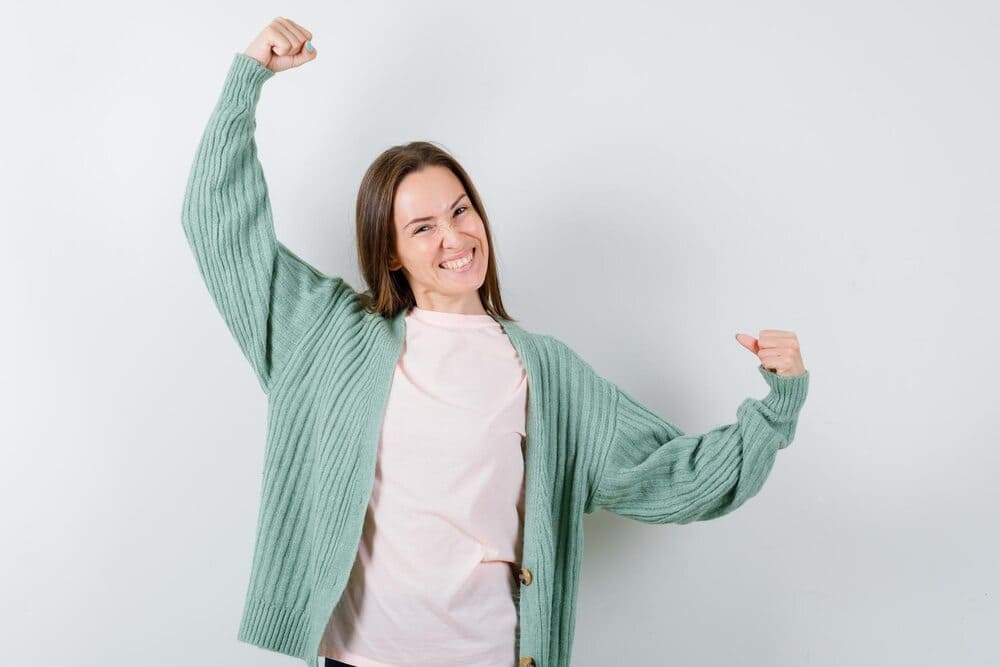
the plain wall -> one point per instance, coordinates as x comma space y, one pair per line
659, 176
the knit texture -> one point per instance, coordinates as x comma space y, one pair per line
326, 366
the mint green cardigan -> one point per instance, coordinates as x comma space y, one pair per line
326, 365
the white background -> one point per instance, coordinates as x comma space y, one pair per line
659, 176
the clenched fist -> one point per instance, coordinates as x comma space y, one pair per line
777, 350
283, 44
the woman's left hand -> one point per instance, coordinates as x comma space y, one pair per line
777, 350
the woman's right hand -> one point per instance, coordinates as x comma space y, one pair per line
281, 45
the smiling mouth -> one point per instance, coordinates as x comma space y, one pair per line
460, 267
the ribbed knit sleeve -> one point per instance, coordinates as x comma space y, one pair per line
653, 472
266, 294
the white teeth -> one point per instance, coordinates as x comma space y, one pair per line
459, 263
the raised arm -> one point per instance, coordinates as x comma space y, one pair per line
651, 471
267, 296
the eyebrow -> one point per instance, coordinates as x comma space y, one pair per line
429, 217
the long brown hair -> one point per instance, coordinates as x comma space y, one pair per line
389, 291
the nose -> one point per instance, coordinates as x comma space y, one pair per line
449, 231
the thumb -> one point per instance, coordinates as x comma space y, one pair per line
305, 55
747, 341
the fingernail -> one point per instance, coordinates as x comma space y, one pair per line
309, 47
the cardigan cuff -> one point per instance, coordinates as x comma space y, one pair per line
788, 392
243, 82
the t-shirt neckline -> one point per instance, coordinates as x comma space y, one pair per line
453, 320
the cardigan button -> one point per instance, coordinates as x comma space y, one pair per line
524, 576
526, 661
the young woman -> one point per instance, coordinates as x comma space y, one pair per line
429, 461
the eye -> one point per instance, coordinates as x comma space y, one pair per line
460, 208
419, 228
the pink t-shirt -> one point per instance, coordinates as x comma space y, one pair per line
433, 583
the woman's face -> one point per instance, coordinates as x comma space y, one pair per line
435, 222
